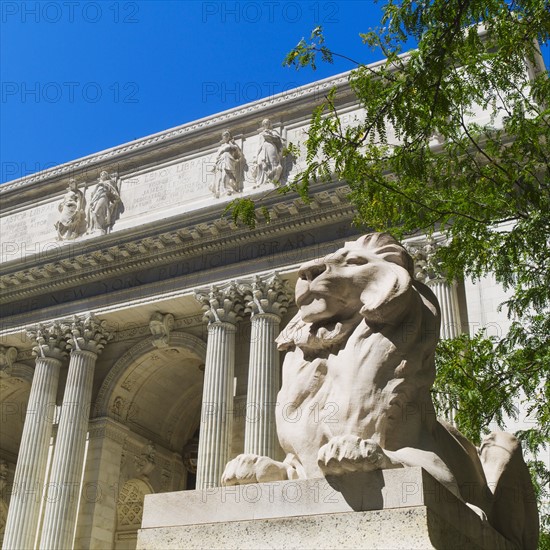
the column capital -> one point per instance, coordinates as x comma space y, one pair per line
266, 295
8, 357
427, 269
221, 304
51, 340
87, 334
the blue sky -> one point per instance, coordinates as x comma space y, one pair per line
79, 77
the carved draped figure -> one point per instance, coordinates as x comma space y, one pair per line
72, 219
228, 168
269, 158
103, 204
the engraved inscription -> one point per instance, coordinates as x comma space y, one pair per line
167, 186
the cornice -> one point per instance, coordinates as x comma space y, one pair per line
176, 244
107, 427
295, 96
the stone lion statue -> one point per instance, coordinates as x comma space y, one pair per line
357, 374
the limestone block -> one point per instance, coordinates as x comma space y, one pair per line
404, 508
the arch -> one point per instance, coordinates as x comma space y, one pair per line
15, 389
22, 372
192, 344
3, 517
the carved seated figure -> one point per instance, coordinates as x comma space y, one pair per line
358, 371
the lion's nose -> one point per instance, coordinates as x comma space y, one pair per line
311, 271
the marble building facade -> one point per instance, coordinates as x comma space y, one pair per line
138, 325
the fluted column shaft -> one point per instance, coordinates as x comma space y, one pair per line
267, 298
28, 484
447, 297
217, 404
223, 308
68, 459
448, 301
30, 472
428, 270
86, 338
260, 435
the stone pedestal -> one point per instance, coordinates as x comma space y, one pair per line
398, 509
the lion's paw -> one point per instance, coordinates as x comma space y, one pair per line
250, 468
350, 453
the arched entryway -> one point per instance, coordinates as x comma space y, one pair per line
147, 413
15, 387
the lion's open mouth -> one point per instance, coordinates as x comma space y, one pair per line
310, 299
309, 295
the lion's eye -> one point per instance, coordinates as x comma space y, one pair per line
356, 261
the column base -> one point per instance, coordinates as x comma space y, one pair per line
394, 509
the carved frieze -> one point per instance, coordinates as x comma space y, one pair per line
314, 90
145, 330
200, 238
118, 406
107, 427
145, 462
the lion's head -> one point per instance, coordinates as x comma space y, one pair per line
363, 276
370, 278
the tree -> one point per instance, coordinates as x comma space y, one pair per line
419, 162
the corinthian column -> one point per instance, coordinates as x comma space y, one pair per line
223, 308
30, 472
267, 301
428, 272
86, 339
448, 301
